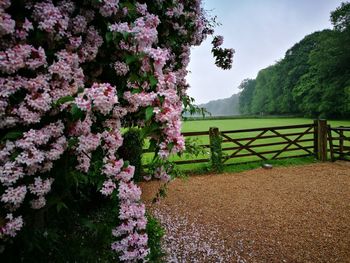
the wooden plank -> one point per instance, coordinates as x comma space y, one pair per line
315, 132
340, 137
322, 140
188, 134
269, 128
330, 140
268, 136
266, 144
341, 129
273, 151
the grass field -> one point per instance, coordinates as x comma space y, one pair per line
238, 124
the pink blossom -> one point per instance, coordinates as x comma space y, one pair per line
132, 211
141, 8
7, 24
108, 187
79, 24
10, 172
121, 68
103, 97
127, 174
50, 18
91, 45
112, 167
129, 192
159, 56
40, 187
88, 143
12, 226
109, 7
14, 196
22, 56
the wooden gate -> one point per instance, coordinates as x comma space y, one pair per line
299, 139
339, 143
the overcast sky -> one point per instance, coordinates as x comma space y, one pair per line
260, 31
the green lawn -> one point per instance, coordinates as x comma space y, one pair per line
238, 124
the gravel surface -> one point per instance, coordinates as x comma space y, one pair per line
287, 214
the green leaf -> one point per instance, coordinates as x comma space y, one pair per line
12, 135
149, 113
153, 145
72, 142
170, 146
153, 81
60, 205
63, 100
76, 112
136, 91
130, 59
126, 164
126, 35
109, 37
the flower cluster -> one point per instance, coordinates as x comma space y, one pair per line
133, 243
34, 153
66, 77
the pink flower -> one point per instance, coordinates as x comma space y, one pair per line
121, 68
127, 174
12, 226
108, 187
109, 7
7, 25
112, 167
129, 192
40, 187
14, 196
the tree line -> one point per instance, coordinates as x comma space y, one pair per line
313, 78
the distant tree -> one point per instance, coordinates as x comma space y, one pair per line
313, 79
247, 88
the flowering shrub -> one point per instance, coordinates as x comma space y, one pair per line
72, 74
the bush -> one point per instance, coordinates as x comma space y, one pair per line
155, 234
131, 150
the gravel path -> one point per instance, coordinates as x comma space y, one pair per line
289, 214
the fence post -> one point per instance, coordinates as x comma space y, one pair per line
330, 139
322, 140
341, 144
316, 138
215, 149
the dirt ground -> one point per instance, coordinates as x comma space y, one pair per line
287, 214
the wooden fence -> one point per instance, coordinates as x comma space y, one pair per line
271, 143
339, 143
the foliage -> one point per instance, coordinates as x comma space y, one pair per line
215, 151
155, 234
131, 150
312, 79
